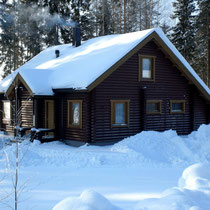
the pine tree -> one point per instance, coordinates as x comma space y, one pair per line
203, 39
82, 15
28, 26
8, 37
147, 14
57, 14
20, 37
103, 17
63, 14
30, 30
183, 34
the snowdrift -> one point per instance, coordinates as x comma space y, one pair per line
192, 193
167, 147
147, 149
155, 151
88, 200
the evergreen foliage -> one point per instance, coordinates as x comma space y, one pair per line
183, 34
29, 26
203, 41
7, 37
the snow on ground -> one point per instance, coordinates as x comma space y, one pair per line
151, 170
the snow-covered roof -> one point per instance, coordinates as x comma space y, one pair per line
79, 67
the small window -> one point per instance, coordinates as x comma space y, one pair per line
75, 113
6, 110
153, 106
177, 107
146, 67
119, 113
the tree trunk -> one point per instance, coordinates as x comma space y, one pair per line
16, 177
103, 17
120, 19
125, 16
208, 51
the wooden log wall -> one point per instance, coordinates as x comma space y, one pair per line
200, 110
208, 108
75, 134
123, 84
26, 106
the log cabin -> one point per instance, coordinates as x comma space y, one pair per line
106, 89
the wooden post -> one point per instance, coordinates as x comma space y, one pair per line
192, 109
143, 120
1, 110
208, 112
61, 130
16, 110
35, 112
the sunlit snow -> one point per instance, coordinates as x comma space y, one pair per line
79, 67
148, 171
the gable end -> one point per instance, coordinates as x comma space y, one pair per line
120, 62
166, 50
18, 79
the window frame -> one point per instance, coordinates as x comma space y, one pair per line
152, 59
113, 111
6, 120
70, 114
178, 101
154, 101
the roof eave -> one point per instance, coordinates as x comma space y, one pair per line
181, 66
154, 35
69, 90
120, 62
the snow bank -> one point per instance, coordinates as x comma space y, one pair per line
4, 140
148, 148
196, 177
193, 192
157, 147
88, 200
199, 143
58, 163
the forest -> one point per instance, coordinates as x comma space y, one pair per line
29, 26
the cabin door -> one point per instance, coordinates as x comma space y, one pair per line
49, 114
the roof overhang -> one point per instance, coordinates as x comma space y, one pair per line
180, 65
69, 90
171, 55
17, 81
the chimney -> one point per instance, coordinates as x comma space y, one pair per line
57, 53
76, 35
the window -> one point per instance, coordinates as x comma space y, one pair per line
177, 106
153, 106
75, 113
146, 67
119, 113
6, 110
